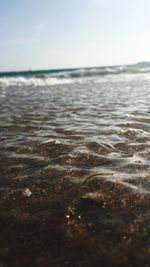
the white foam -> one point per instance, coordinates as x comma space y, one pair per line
116, 73
32, 81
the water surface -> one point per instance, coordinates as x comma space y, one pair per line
79, 141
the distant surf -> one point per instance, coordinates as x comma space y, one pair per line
62, 76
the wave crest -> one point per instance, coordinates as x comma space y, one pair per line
54, 77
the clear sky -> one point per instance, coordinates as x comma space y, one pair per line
45, 34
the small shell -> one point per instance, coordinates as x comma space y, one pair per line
26, 193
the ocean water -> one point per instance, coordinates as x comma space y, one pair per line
75, 167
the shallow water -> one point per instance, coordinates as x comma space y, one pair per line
82, 148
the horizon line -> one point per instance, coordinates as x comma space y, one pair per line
68, 68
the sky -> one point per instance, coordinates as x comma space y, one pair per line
51, 34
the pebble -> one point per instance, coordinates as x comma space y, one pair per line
26, 193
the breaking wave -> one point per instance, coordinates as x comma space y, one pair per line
31, 81
65, 76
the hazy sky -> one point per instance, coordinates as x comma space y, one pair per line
37, 34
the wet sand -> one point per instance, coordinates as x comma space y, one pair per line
93, 223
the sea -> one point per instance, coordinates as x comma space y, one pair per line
75, 167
